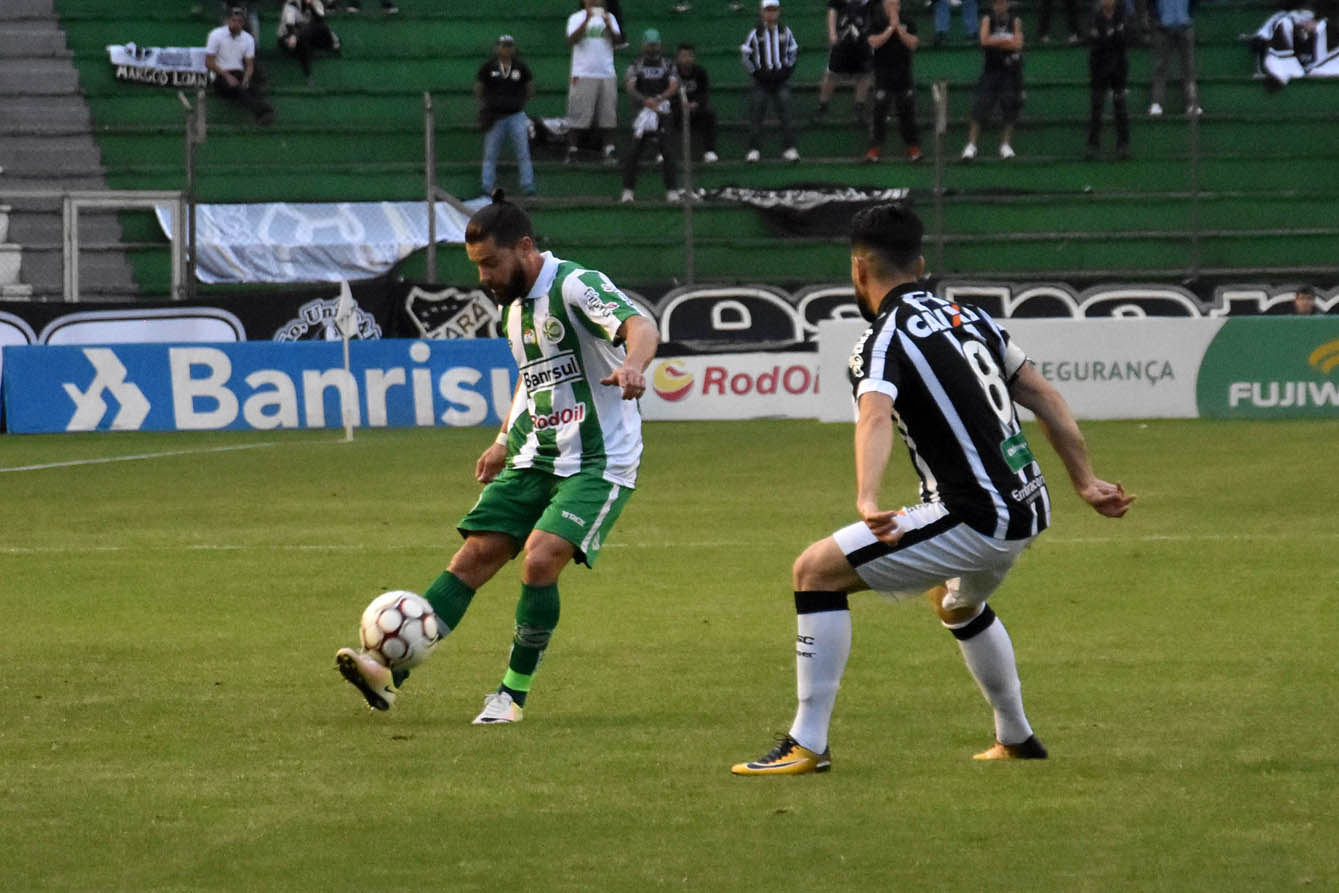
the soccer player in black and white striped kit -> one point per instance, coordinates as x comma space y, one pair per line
947, 377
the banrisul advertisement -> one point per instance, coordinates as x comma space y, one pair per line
257, 385
1271, 368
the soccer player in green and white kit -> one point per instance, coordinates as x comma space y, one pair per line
565, 463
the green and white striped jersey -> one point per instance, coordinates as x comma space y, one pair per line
563, 337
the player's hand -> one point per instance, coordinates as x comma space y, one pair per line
232, 81
883, 524
651, 102
631, 381
490, 463
1107, 498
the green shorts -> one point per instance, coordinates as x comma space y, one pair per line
581, 509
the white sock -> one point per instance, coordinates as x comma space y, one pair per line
989, 655
822, 646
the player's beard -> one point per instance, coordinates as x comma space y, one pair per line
863, 305
515, 287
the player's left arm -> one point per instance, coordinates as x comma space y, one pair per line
873, 445
641, 339
1033, 391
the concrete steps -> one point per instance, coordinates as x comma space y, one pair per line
47, 146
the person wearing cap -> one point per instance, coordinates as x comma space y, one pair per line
592, 95
502, 87
303, 29
230, 53
650, 82
769, 54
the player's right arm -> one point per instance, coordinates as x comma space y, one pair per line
493, 459
873, 445
1033, 391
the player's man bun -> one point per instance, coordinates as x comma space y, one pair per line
503, 222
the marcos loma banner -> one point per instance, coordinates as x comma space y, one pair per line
257, 385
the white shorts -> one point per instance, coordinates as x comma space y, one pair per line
937, 548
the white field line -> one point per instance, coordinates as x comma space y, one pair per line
134, 457
715, 544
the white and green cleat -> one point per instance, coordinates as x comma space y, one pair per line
370, 677
498, 707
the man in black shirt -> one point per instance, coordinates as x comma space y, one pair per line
894, 41
503, 86
651, 81
848, 52
1001, 37
947, 377
701, 116
1108, 69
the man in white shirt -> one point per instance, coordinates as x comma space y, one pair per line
592, 97
230, 53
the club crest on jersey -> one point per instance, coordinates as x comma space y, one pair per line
554, 330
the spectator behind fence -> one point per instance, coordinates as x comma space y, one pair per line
592, 96
849, 53
1304, 301
697, 85
650, 82
894, 42
1174, 35
302, 30
970, 20
1001, 81
502, 87
230, 53
770, 52
1071, 19
1108, 69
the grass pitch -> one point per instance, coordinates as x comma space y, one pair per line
171, 718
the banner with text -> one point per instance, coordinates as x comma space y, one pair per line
257, 385
1153, 368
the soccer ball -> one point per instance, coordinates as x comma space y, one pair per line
399, 629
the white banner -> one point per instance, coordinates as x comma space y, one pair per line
733, 386
159, 66
1104, 368
311, 241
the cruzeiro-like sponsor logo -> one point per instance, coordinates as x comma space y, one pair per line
547, 373
109, 378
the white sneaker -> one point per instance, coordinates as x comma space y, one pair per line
1006, 151
1193, 110
673, 196
969, 152
790, 154
710, 158
1154, 110
753, 156
627, 197
372, 680
498, 707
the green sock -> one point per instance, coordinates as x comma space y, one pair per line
449, 598
536, 618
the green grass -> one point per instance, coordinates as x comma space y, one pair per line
171, 718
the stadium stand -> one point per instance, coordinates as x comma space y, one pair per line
47, 145
1264, 202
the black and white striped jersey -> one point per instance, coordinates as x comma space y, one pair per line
947, 368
